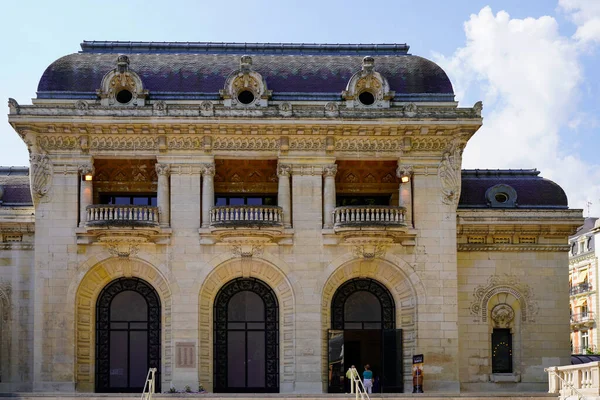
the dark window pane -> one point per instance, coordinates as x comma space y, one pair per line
256, 325
270, 201
246, 306
118, 359
363, 201
236, 201
138, 350
362, 306
129, 306
119, 325
372, 325
221, 201
122, 200
256, 359
153, 201
236, 359
353, 325
236, 325
254, 201
138, 325
140, 201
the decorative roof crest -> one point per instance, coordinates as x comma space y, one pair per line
368, 88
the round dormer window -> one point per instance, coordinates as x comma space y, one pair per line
245, 97
124, 96
366, 98
501, 196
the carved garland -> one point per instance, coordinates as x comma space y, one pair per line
504, 284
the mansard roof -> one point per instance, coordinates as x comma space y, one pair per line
14, 185
195, 71
528, 188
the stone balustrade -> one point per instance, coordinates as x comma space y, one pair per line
368, 216
121, 215
575, 380
224, 216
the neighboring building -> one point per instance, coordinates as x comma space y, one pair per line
257, 217
583, 284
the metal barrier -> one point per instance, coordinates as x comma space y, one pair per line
357, 386
149, 385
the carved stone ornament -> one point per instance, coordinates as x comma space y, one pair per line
208, 169
122, 86
284, 170
367, 80
331, 109
13, 106
244, 80
330, 170
207, 109
122, 249
163, 169
508, 284
247, 250
502, 315
404, 170
285, 109
85, 169
368, 251
449, 172
410, 110
41, 175
159, 107
81, 105
5, 302
477, 108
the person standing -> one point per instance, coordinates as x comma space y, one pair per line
368, 378
349, 380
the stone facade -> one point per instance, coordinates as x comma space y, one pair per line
584, 304
455, 269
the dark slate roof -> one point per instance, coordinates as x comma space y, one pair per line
584, 358
198, 70
532, 190
14, 182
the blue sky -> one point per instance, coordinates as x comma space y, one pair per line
534, 64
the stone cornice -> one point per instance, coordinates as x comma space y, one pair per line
194, 109
591, 256
511, 247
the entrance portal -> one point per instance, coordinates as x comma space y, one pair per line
127, 336
363, 322
246, 338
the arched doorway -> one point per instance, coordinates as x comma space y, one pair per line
127, 336
363, 332
246, 323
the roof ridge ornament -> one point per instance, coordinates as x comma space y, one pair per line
122, 86
245, 87
368, 88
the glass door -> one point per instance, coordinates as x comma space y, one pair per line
393, 379
336, 370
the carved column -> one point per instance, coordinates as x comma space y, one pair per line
163, 194
284, 197
86, 191
208, 192
329, 195
405, 192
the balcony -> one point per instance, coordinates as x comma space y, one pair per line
245, 223
372, 225
121, 223
246, 216
580, 288
582, 320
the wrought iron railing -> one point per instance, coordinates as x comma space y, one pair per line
246, 215
582, 317
368, 215
580, 288
104, 214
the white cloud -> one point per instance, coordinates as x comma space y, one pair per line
586, 15
529, 77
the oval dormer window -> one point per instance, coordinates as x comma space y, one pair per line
366, 98
124, 96
245, 97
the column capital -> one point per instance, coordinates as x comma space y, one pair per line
208, 169
404, 170
163, 169
284, 170
330, 170
86, 169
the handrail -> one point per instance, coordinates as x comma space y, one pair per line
580, 395
365, 215
226, 215
116, 213
360, 387
150, 384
